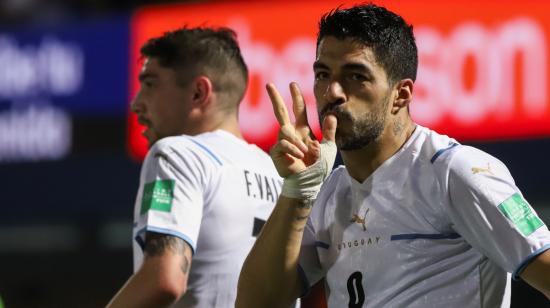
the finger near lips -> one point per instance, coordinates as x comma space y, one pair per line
329, 127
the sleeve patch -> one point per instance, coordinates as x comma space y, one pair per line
158, 195
521, 214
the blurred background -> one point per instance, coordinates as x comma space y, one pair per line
70, 152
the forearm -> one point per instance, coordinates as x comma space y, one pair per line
142, 292
537, 274
162, 278
269, 277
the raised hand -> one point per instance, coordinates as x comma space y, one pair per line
296, 148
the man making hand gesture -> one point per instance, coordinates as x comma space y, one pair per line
413, 219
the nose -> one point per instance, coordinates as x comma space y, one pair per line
335, 92
137, 106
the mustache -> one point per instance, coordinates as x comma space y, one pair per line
335, 109
143, 121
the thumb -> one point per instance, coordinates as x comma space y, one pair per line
329, 128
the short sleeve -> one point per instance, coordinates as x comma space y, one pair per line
489, 211
170, 197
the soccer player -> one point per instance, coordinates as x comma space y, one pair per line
413, 219
204, 192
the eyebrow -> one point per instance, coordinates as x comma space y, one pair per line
319, 66
352, 66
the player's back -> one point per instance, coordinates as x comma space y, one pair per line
245, 187
228, 189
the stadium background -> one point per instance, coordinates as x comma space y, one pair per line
70, 152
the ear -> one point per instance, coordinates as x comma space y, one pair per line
202, 91
404, 89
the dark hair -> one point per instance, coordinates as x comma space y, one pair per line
389, 36
213, 52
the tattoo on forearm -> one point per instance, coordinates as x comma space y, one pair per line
303, 207
305, 204
157, 244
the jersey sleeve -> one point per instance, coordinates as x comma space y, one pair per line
170, 196
489, 211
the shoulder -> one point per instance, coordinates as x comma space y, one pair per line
184, 148
225, 147
446, 155
172, 144
464, 169
231, 151
433, 147
468, 154
469, 161
179, 157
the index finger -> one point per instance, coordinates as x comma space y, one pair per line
279, 107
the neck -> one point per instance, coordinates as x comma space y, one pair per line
231, 125
223, 121
361, 163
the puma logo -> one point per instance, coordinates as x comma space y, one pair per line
476, 170
355, 218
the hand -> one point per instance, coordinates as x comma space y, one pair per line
297, 147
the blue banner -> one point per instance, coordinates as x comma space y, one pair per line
79, 67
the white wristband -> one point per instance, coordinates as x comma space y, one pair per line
307, 183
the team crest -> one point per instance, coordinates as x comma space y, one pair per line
357, 219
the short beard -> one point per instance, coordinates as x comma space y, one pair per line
364, 131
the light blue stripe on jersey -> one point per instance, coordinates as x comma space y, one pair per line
322, 244
414, 236
528, 260
207, 150
441, 151
184, 237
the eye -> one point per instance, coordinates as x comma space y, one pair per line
321, 75
146, 84
357, 77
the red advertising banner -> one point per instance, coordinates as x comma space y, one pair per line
483, 65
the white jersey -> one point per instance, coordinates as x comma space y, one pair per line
214, 191
438, 224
